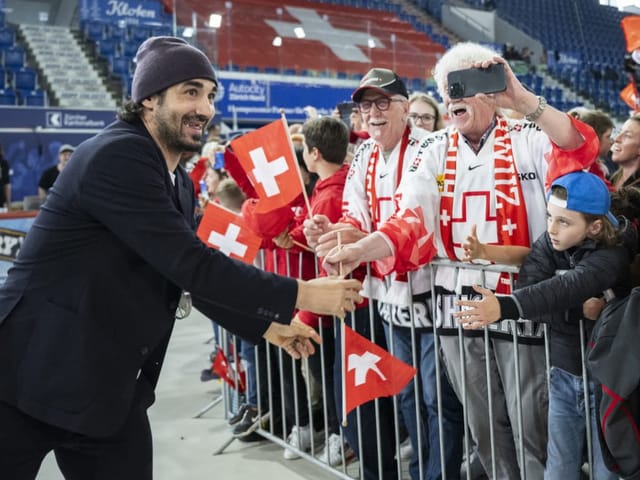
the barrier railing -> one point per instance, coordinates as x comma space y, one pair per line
500, 367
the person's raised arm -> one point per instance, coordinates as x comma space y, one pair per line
556, 124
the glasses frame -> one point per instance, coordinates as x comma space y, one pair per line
429, 117
365, 106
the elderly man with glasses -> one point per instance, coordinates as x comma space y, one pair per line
368, 201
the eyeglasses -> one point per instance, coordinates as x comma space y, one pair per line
426, 118
382, 104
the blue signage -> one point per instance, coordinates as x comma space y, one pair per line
55, 118
124, 11
261, 98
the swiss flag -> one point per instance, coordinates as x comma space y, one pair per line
225, 231
629, 95
266, 155
631, 29
228, 373
371, 371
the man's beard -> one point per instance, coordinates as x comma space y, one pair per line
172, 135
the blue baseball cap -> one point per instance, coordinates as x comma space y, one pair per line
586, 193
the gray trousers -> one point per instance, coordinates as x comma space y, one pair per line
534, 395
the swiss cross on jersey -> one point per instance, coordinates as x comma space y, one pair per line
371, 371
225, 231
267, 158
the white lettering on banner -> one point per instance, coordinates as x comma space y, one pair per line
446, 306
123, 9
228, 243
265, 171
362, 364
247, 92
400, 316
345, 44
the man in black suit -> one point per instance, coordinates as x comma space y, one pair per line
87, 310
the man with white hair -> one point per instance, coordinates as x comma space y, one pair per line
484, 170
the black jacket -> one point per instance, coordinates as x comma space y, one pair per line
88, 307
544, 296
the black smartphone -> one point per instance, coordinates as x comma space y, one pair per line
468, 82
345, 109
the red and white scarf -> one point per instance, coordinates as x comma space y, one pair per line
511, 212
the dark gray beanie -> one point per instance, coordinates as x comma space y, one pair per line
165, 61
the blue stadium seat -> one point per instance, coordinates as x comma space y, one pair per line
33, 98
14, 58
25, 78
139, 33
121, 65
106, 47
7, 37
129, 48
95, 31
8, 97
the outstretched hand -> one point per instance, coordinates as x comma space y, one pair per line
294, 338
329, 295
478, 313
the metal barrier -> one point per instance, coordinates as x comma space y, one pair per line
492, 367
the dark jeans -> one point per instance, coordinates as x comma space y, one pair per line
25, 441
298, 390
259, 373
452, 415
373, 449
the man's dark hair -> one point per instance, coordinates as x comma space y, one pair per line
329, 135
131, 111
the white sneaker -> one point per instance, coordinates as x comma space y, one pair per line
406, 449
300, 440
332, 453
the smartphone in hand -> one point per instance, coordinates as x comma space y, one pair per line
468, 82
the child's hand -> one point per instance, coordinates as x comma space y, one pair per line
283, 240
473, 248
478, 313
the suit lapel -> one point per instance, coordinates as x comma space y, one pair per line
185, 200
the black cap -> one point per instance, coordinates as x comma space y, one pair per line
165, 61
382, 80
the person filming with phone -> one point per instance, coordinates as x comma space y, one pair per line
488, 171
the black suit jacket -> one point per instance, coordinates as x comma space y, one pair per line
88, 307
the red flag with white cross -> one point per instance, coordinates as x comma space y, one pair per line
267, 157
225, 231
370, 371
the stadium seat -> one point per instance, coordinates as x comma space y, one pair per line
25, 79
14, 58
33, 98
8, 97
7, 37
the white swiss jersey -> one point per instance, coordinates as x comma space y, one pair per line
474, 200
356, 206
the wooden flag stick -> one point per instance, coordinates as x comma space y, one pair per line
340, 270
303, 246
293, 152
343, 352
344, 374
